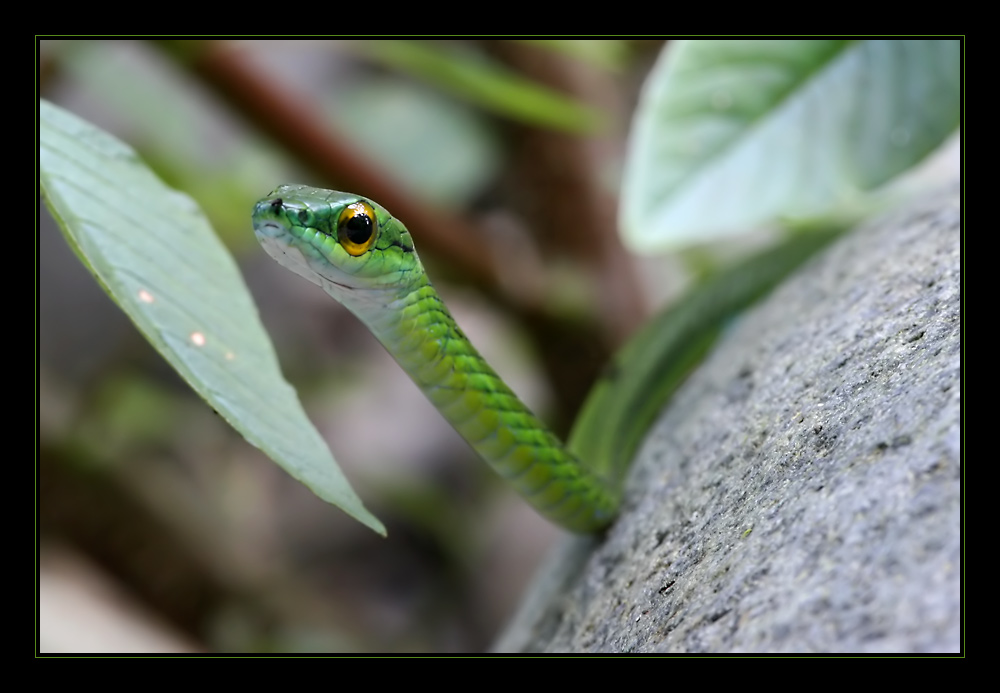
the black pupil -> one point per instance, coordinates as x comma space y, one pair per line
358, 229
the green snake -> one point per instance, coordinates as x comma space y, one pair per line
364, 257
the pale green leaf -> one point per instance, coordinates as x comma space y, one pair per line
732, 134
156, 255
443, 150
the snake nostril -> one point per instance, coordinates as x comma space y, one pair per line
277, 202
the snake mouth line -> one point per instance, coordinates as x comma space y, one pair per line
322, 275
271, 234
272, 228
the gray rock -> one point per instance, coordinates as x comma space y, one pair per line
801, 493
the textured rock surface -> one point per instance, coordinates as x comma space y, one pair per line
801, 493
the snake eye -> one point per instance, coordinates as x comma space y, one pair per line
356, 228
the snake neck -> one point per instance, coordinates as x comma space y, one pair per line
417, 329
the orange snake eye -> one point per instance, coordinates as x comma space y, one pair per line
356, 228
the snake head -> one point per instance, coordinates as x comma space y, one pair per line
343, 242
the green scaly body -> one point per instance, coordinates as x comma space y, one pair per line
387, 288
363, 257
424, 339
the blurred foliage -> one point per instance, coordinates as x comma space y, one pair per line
443, 152
471, 76
733, 134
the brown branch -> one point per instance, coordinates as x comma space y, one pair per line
560, 188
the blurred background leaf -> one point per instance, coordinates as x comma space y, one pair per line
468, 74
732, 134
